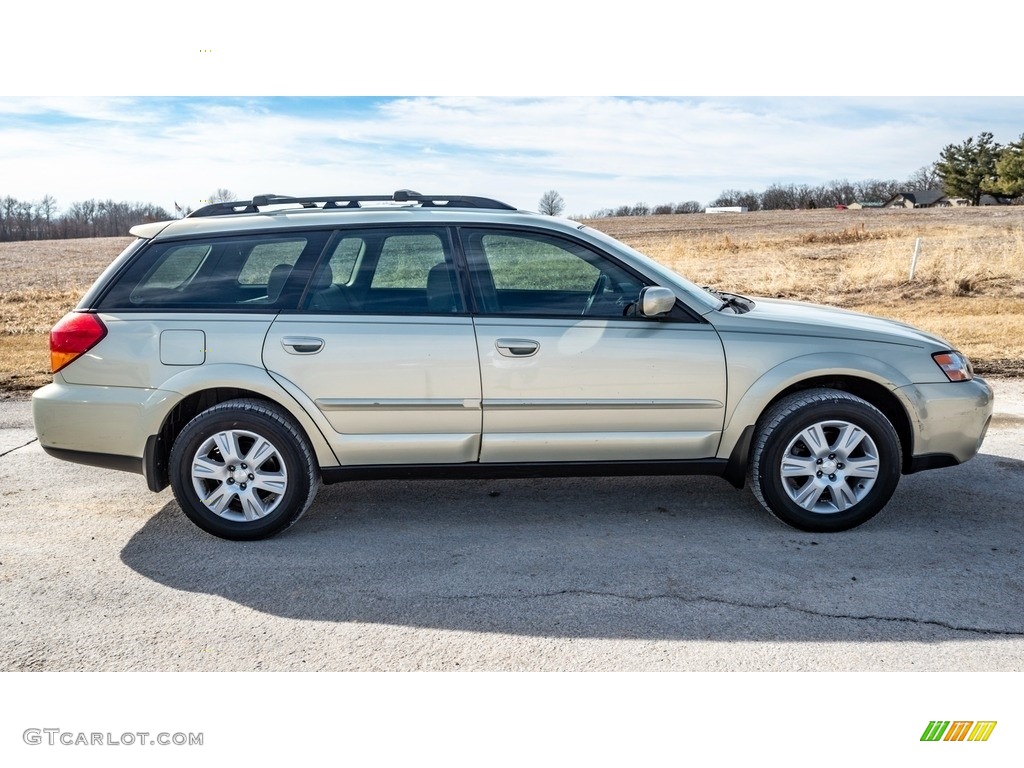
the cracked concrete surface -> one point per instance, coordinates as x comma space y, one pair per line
15, 448
96, 573
758, 606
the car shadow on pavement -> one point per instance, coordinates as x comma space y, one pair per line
657, 558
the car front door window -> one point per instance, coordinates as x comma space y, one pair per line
536, 274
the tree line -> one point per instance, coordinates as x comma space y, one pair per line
975, 167
787, 197
42, 220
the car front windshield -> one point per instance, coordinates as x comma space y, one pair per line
708, 300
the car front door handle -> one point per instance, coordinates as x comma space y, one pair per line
517, 347
302, 345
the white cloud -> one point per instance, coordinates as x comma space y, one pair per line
103, 108
597, 151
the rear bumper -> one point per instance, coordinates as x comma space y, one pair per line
104, 460
77, 420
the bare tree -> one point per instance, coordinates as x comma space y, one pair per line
877, 190
750, 199
223, 196
838, 192
8, 205
551, 203
690, 206
46, 209
925, 177
23, 220
779, 197
728, 199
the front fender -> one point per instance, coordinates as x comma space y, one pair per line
751, 402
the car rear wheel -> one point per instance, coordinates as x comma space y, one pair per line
243, 470
824, 460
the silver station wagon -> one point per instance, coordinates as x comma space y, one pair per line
253, 350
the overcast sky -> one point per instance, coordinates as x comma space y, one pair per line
596, 151
177, 137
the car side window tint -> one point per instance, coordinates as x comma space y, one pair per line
178, 266
343, 258
405, 261
226, 272
519, 263
526, 273
382, 271
264, 257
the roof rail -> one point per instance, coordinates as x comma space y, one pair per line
223, 209
334, 202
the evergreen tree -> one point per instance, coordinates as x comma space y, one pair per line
1010, 169
969, 169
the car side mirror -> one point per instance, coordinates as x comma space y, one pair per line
655, 300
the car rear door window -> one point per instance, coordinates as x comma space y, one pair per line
404, 271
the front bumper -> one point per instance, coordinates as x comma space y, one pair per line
949, 421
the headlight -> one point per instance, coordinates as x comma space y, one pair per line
955, 365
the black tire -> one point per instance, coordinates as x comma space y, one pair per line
802, 472
264, 487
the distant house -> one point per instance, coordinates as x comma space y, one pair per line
921, 198
861, 204
994, 200
727, 209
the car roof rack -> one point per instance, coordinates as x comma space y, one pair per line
333, 202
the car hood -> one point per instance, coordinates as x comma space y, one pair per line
803, 319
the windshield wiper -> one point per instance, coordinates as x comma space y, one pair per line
738, 303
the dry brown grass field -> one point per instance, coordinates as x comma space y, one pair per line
968, 286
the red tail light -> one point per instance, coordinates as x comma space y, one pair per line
74, 335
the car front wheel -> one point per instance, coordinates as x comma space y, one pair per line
242, 470
824, 460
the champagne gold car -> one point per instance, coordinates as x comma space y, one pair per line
249, 352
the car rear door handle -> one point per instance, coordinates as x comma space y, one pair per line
517, 347
302, 345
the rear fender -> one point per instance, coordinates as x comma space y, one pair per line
256, 380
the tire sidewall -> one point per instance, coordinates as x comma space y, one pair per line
864, 416
209, 423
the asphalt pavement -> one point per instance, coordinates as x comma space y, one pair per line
97, 573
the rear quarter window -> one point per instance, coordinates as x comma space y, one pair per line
265, 256
177, 267
253, 272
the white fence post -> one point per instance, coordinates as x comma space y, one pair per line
913, 261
